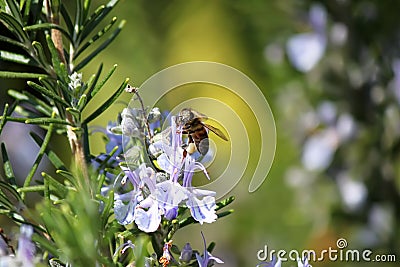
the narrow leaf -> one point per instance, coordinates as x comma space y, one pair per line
95, 38
13, 196
96, 18
100, 48
55, 58
82, 102
15, 119
224, 203
14, 26
14, 9
17, 58
108, 103
25, 13
46, 244
47, 93
93, 81
42, 26
59, 188
21, 75
96, 89
67, 175
38, 104
39, 156
107, 208
8, 170
46, 121
4, 117
30, 189
13, 42
67, 19
41, 56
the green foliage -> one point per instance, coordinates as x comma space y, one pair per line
74, 223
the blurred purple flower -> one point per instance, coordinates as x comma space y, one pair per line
26, 248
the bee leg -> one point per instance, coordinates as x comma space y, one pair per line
203, 146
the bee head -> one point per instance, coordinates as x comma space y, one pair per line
184, 116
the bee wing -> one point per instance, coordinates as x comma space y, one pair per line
217, 131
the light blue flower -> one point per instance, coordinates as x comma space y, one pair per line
202, 205
170, 195
207, 257
148, 215
125, 213
306, 49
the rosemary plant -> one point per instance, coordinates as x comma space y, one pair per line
119, 208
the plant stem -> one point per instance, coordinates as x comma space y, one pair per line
75, 139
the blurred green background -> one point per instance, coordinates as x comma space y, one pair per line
336, 171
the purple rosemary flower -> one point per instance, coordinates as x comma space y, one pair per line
207, 257
186, 253
26, 248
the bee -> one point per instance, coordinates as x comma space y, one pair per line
197, 131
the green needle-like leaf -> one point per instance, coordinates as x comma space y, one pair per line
95, 38
15, 27
17, 58
14, 10
47, 93
59, 188
41, 56
107, 208
67, 19
95, 19
8, 170
100, 48
14, 119
224, 203
46, 244
46, 121
224, 213
93, 91
3, 119
11, 198
42, 26
108, 103
33, 100
91, 84
26, 10
55, 58
30, 189
13, 42
21, 75
39, 105
39, 156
